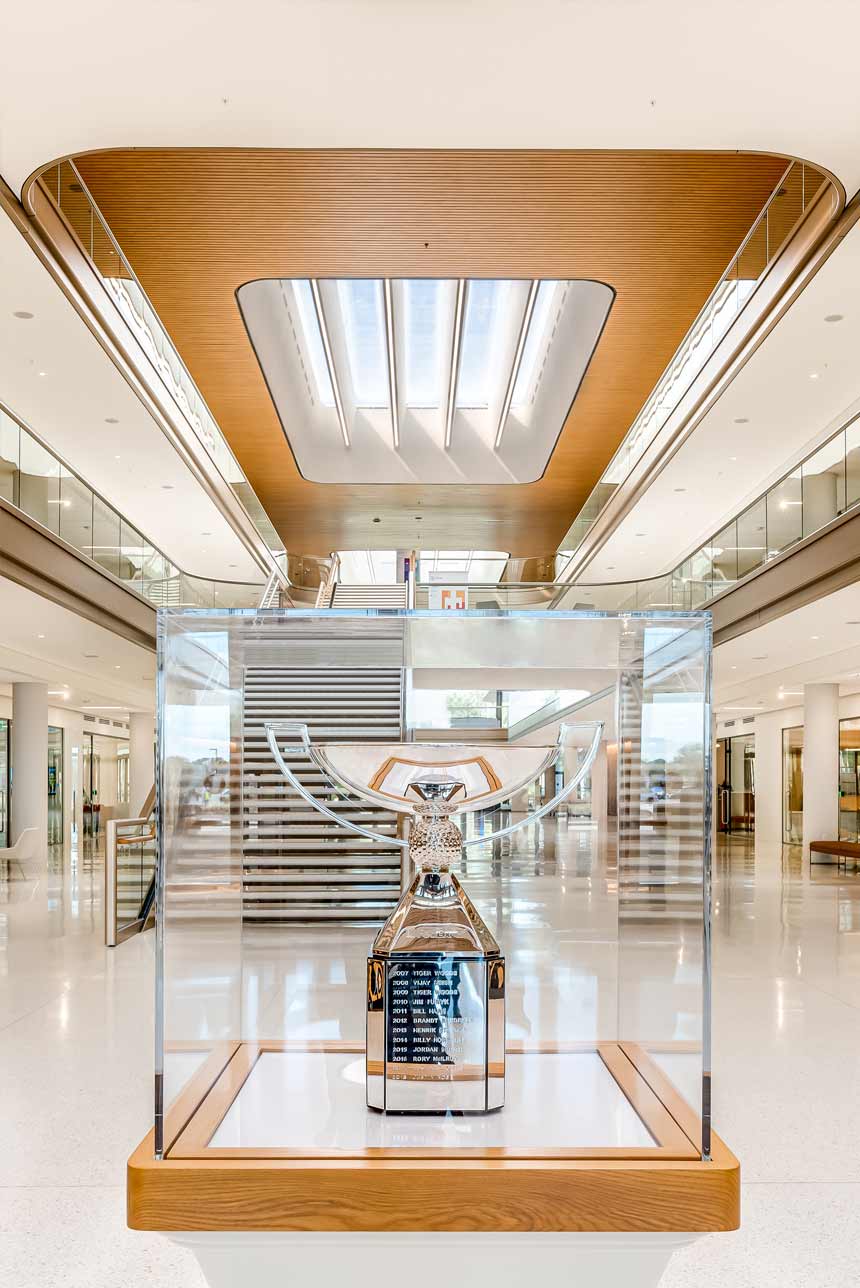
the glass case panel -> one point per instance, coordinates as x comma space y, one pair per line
543, 983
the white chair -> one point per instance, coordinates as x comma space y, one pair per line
24, 849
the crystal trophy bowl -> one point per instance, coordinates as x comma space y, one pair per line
435, 973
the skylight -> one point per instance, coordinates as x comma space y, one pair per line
364, 331
313, 340
483, 327
422, 381
423, 299
537, 344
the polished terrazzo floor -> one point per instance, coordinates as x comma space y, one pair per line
76, 1059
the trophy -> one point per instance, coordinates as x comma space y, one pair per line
435, 974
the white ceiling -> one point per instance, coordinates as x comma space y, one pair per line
820, 642
725, 465
774, 76
130, 462
43, 641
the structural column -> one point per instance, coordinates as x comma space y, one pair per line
768, 783
820, 763
29, 798
600, 791
141, 760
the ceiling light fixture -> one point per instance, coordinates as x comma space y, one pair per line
813, 375
168, 487
834, 317
680, 489
518, 357
455, 362
43, 373
741, 420
111, 420
329, 360
23, 315
392, 367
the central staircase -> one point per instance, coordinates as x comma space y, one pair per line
298, 865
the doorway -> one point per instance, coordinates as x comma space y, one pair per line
55, 785
735, 766
792, 785
849, 780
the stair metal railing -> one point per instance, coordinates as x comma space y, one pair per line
130, 857
326, 590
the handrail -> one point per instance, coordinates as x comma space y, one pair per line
117, 926
734, 289
326, 590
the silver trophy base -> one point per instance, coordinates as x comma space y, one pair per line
435, 1033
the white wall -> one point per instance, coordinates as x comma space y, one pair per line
768, 729
72, 724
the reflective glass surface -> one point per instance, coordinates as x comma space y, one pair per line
270, 898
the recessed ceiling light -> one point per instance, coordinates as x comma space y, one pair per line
43, 373
639, 534
23, 315
610, 567
733, 458
680, 489
117, 458
116, 666
734, 668
815, 637
168, 487
232, 565
91, 655
833, 317
813, 375
111, 420
40, 637
377, 520
762, 657
206, 534
741, 420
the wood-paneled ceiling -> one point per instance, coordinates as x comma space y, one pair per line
658, 227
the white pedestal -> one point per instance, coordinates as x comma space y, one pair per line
425, 1260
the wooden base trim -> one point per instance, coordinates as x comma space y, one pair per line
684, 1115
214, 1102
184, 1107
433, 1194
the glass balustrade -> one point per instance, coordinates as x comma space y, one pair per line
777, 221
40, 484
68, 192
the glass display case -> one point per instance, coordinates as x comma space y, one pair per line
382, 933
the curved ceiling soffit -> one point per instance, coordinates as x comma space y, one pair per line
593, 213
